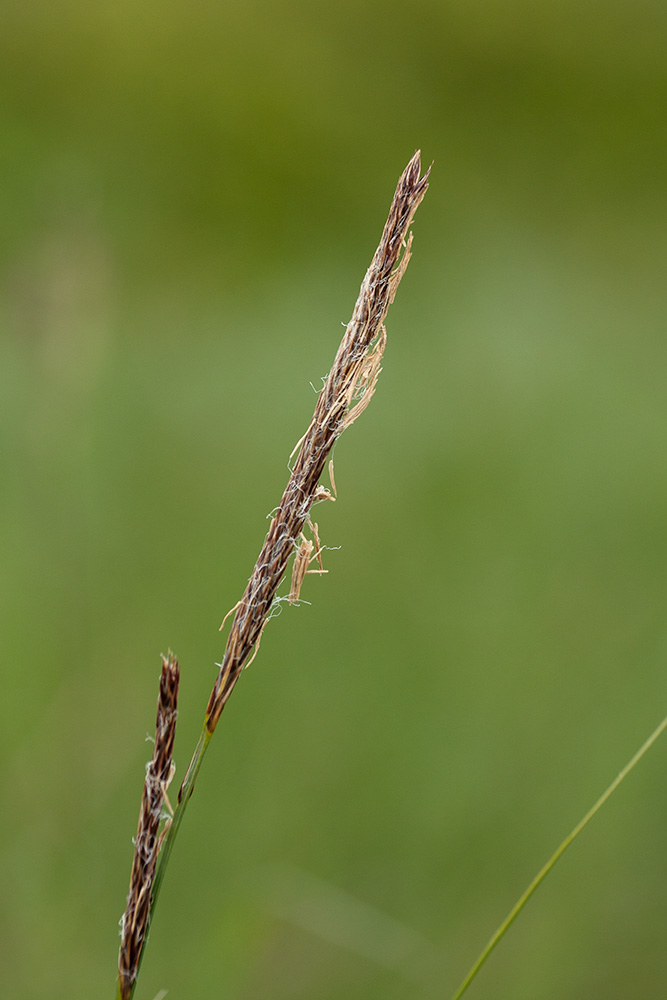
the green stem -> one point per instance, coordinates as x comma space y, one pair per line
184, 795
542, 874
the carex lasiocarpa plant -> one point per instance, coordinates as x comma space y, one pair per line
346, 393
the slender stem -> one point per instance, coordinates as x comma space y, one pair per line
184, 796
542, 874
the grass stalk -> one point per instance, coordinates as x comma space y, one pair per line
558, 853
344, 396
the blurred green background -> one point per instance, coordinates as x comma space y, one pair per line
190, 194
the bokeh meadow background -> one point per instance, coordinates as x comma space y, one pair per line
190, 194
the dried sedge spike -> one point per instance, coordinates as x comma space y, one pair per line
134, 922
345, 394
